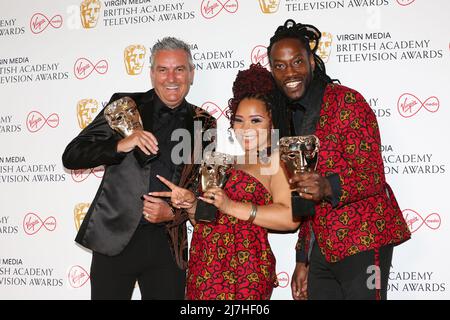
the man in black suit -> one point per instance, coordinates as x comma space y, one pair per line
133, 236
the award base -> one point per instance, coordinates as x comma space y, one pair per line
302, 208
205, 212
142, 158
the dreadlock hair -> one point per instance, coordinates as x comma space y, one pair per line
255, 82
309, 35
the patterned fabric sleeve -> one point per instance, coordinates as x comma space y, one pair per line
176, 228
303, 244
189, 176
358, 162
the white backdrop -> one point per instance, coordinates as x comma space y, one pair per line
395, 52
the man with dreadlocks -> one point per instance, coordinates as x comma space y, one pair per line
345, 250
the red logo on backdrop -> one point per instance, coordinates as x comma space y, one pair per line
214, 110
409, 105
415, 221
83, 68
36, 121
259, 55
82, 174
32, 223
283, 279
211, 8
405, 2
78, 276
39, 22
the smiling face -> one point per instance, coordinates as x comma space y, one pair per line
252, 124
171, 76
292, 67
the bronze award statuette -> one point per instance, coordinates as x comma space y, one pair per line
123, 116
213, 173
300, 154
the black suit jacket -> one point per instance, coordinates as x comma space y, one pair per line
117, 208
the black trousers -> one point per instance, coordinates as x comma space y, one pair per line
148, 260
353, 278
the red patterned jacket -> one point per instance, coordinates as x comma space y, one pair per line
367, 216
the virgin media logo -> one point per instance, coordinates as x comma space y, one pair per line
415, 221
83, 68
83, 174
39, 22
259, 55
409, 105
283, 279
32, 223
211, 8
77, 276
405, 2
214, 110
36, 121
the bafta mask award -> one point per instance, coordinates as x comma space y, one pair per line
86, 110
90, 12
79, 213
299, 154
123, 116
269, 6
213, 173
134, 57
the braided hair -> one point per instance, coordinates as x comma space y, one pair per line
309, 35
255, 82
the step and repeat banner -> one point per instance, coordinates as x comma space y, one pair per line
60, 62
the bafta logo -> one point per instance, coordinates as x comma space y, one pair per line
134, 57
269, 6
123, 116
79, 213
324, 48
86, 110
90, 11
213, 170
300, 154
213, 173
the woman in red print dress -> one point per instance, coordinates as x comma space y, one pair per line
231, 257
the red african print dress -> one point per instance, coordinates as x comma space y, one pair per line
231, 259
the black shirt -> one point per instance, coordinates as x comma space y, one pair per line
306, 110
165, 121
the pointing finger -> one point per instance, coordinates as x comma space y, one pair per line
152, 199
163, 194
166, 182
